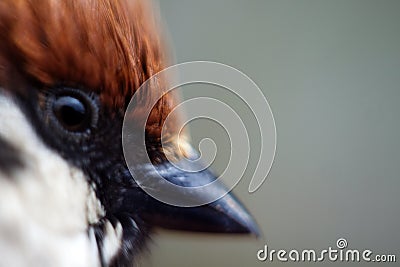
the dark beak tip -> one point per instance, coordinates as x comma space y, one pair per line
234, 217
250, 227
254, 230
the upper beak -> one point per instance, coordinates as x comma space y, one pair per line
225, 215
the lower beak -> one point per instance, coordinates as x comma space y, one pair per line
225, 215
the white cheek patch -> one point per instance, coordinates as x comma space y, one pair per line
46, 206
111, 242
95, 211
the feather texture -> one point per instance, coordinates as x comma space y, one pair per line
108, 46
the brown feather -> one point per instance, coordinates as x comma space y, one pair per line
108, 46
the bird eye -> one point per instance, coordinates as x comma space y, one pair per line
71, 113
73, 110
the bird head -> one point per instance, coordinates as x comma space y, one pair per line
68, 70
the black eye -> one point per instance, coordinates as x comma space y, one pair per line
73, 110
71, 113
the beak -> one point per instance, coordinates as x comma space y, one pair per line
225, 215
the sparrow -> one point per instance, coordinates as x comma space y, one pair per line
68, 70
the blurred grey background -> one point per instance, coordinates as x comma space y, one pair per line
331, 73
